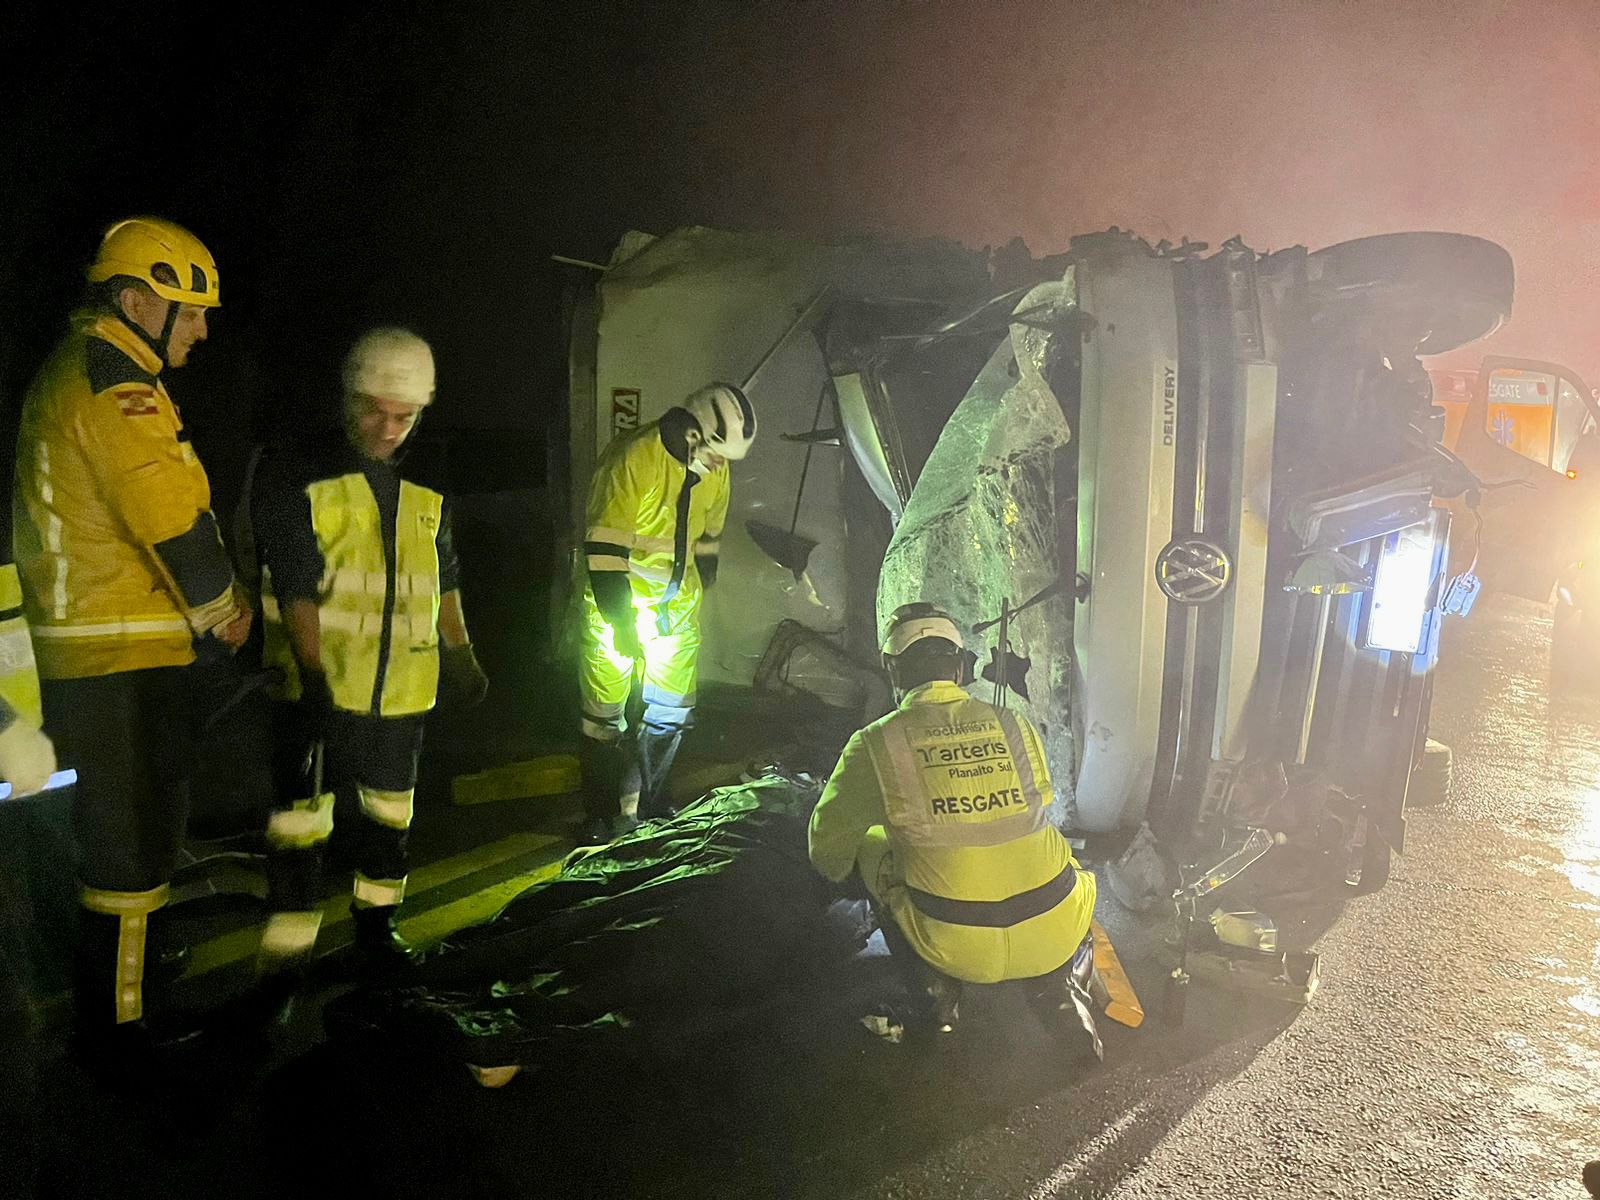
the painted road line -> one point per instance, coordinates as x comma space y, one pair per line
229, 948
436, 923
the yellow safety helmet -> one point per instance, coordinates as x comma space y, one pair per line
167, 257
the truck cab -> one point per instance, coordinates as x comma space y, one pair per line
1191, 506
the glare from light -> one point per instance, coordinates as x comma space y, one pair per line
1400, 589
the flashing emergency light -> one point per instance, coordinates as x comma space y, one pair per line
1400, 589
1571, 474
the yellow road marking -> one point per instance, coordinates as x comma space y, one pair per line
231, 947
444, 920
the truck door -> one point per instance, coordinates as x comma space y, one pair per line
1529, 433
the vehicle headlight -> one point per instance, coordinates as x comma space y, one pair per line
1400, 589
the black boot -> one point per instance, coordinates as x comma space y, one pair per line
601, 765
657, 747
1062, 1002
382, 947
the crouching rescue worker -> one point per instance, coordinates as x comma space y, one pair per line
362, 611
124, 577
657, 504
941, 808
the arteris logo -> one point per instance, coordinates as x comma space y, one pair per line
1169, 407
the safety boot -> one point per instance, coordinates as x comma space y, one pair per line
1063, 1003
944, 1003
383, 949
655, 749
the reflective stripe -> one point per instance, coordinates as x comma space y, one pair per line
348, 579
997, 914
389, 809
607, 562
653, 574
617, 537
653, 545
602, 731
1021, 760
99, 900
133, 910
417, 583
52, 535
269, 604
306, 824
665, 699
379, 893
289, 934
345, 621
708, 546
113, 628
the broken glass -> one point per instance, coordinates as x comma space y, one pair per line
981, 527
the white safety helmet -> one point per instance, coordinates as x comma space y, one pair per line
390, 364
727, 421
911, 623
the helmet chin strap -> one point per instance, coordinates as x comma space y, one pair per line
159, 344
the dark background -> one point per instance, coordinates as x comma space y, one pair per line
352, 161
420, 161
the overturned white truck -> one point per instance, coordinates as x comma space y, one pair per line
1199, 495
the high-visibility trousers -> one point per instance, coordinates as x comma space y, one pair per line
369, 769
977, 954
131, 736
670, 662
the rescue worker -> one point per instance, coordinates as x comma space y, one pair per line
940, 808
124, 578
361, 605
27, 760
657, 504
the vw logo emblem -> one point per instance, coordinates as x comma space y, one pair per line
1192, 570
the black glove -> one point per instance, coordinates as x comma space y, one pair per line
625, 636
464, 683
316, 703
613, 596
706, 564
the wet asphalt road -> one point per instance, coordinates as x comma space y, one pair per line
1452, 1051
1454, 1047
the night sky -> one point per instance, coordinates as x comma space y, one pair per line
420, 162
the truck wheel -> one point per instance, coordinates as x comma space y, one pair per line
1430, 780
1452, 287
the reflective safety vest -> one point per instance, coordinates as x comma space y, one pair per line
120, 557
983, 885
646, 517
19, 675
379, 617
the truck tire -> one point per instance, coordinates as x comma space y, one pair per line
1462, 284
1430, 780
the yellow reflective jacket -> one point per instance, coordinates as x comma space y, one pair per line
377, 600
982, 885
121, 561
644, 520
